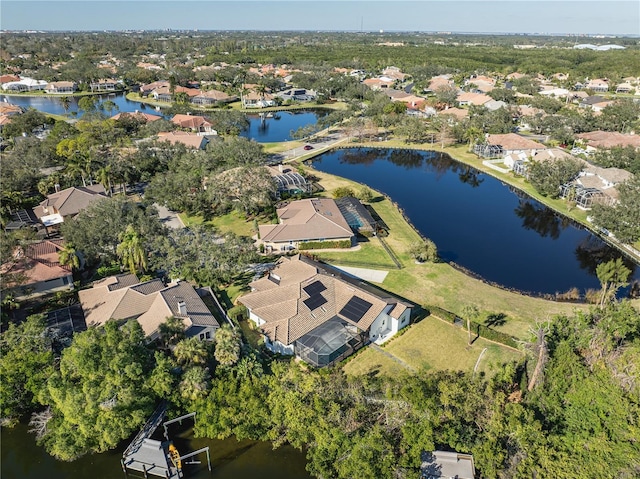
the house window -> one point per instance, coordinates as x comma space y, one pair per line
65, 280
207, 335
202, 336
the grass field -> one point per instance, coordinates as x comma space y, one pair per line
432, 344
234, 222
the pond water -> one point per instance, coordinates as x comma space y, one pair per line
230, 459
269, 129
50, 104
479, 222
279, 126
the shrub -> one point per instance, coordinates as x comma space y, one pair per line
324, 244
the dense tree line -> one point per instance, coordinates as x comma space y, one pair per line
572, 408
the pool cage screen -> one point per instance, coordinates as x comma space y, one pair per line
332, 341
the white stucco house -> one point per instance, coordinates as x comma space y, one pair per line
311, 310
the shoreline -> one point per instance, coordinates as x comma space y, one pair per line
621, 247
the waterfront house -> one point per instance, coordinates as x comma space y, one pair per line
61, 87
322, 316
499, 146
288, 181
123, 297
195, 123
212, 97
254, 99
24, 84
313, 219
104, 84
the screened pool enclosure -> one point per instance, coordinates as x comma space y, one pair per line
332, 341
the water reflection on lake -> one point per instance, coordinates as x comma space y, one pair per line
478, 221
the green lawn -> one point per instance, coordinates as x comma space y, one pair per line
233, 222
432, 344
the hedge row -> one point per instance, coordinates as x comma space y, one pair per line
324, 244
478, 328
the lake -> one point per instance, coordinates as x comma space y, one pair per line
52, 105
279, 127
477, 221
263, 130
230, 459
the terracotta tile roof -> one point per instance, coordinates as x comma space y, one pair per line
217, 95
38, 262
459, 113
191, 140
511, 141
150, 303
147, 117
609, 139
309, 219
191, 121
287, 317
473, 98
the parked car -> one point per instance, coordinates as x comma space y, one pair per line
308, 147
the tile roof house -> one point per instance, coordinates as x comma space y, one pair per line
61, 205
513, 143
212, 97
138, 115
198, 124
379, 83
25, 84
104, 84
310, 309
124, 297
468, 98
190, 140
38, 268
61, 87
608, 139
314, 219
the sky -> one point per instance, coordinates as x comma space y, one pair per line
611, 17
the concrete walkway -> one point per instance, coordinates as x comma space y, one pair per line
168, 217
372, 275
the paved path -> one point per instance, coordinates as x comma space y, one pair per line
373, 275
391, 356
168, 217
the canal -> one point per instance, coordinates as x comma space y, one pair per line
479, 222
230, 459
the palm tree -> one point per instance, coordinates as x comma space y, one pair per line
171, 331
192, 351
68, 256
613, 275
227, 351
473, 134
470, 312
65, 101
131, 250
104, 177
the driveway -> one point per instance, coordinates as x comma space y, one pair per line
169, 218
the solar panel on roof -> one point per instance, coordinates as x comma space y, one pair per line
355, 309
314, 301
314, 288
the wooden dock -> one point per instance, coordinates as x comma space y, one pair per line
149, 456
155, 458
